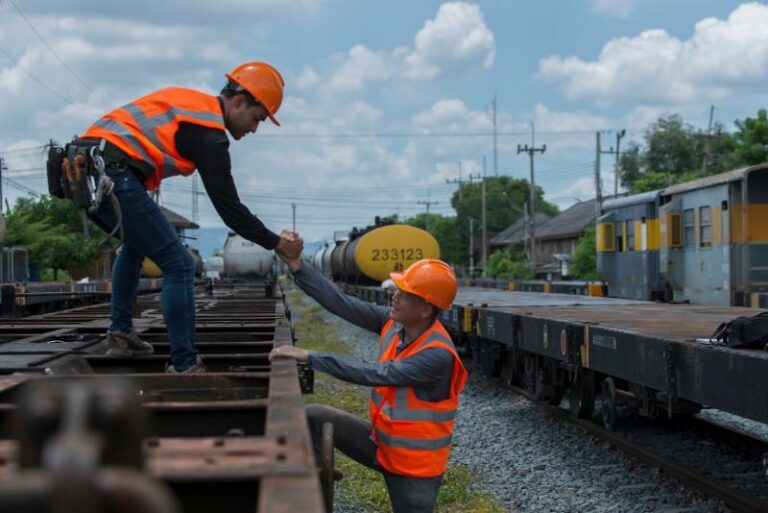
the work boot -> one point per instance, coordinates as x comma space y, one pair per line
196, 368
125, 344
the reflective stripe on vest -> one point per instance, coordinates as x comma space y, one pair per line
414, 435
399, 442
139, 134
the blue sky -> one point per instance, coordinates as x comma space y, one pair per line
401, 70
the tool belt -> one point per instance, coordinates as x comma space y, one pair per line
77, 171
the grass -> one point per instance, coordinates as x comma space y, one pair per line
363, 486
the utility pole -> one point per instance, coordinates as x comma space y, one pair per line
619, 136
293, 208
458, 181
483, 216
2, 168
484, 252
705, 159
428, 204
532, 151
598, 187
471, 247
617, 154
495, 140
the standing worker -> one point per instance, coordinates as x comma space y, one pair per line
163, 134
416, 381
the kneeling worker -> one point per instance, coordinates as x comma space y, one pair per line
416, 381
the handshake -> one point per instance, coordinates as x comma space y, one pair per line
289, 249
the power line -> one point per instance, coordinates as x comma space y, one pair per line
23, 150
33, 77
58, 58
396, 135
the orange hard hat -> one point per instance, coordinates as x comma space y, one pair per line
431, 279
263, 82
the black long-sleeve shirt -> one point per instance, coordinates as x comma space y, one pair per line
208, 148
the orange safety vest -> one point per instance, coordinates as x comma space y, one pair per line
414, 436
145, 129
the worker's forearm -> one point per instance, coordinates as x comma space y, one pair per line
361, 313
426, 368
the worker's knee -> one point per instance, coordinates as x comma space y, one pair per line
179, 266
315, 412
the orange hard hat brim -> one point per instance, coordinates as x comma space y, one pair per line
400, 282
273, 119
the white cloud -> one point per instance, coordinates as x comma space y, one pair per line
456, 42
308, 78
559, 121
452, 115
360, 66
615, 8
655, 66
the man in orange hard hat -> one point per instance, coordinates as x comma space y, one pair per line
415, 383
166, 133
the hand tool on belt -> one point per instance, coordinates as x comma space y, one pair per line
78, 172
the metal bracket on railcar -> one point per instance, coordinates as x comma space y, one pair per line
80, 449
306, 378
669, 358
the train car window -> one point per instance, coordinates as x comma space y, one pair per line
705, 226
689, 227
724, 205
630, 236
605, 237
676, 231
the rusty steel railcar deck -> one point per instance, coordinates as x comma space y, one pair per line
232, 440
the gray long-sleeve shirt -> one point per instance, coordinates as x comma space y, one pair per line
428, 371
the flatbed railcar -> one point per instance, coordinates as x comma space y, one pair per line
608, 348
80, 431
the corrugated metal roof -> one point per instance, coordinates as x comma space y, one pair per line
516, 231
570, 223
177, 220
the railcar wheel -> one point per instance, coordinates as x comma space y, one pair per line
765, 466
582, 394
608, 404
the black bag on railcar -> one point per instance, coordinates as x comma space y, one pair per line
745, 332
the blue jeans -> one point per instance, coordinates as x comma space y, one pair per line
146, 232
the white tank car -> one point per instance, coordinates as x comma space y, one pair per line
213, 267
243, 257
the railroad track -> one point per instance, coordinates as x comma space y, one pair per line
735, 497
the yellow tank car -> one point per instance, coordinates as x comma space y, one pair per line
387, 249
149, 269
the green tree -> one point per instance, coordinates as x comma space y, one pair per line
675, 151
505, 202
584, 265
448, 234
508, 265
750, 142
51, 230
672, 146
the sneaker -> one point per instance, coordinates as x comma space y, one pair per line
196, 368
125, 344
